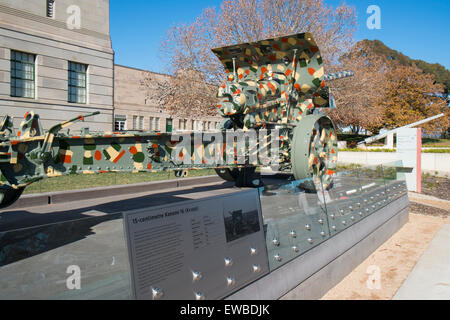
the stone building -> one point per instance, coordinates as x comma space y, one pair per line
133, 111
56, 59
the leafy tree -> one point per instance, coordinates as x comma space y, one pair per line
408, 99
441, 74
358, 98
188, 46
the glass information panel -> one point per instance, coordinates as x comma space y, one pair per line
88, 258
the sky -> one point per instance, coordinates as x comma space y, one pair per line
419, 29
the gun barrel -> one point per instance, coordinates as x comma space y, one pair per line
339, 75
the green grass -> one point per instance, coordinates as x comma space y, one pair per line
393, 150
368, 150
430, 143
75, 181
436, 151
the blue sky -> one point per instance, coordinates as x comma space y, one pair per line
419, 29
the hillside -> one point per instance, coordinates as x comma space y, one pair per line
441, 74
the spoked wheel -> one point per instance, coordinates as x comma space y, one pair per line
9, 195
315, 149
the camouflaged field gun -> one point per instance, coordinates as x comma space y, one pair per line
276, 85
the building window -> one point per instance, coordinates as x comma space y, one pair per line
51, 9
22, 74
141, 123
169, 125
77, 82
157, 124
120, 122
135, 122
150, 123
182, 124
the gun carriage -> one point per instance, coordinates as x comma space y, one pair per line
277, 85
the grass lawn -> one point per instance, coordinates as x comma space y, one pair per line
84, 181
446, 150
431, 143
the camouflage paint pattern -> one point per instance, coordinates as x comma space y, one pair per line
272, 84
272, 81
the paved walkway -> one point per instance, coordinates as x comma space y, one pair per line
430, 278
391, 264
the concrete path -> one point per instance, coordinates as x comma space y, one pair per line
430, 278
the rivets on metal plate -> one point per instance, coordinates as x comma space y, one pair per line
277, 257
276, 242
353, 218
360, 214
321, 221
293, 234
199, 296
228, 262
351, 208
310, 240
295, 249
334, 228
157, 293
196, 276
323, 234
253, 251
344, 222
230, 281
256, 268
308, 227
332, 216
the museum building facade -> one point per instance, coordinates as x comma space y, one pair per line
135, 108
56, 59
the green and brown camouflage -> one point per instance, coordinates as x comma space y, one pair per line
276, 85
278, 80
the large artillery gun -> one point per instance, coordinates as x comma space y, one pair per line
277, 86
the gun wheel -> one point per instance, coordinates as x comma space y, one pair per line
234, 174
315, 149
181, 173
9, 195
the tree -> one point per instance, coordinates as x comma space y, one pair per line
441, 74
184, 94
188, 47
358, 98
411, 96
